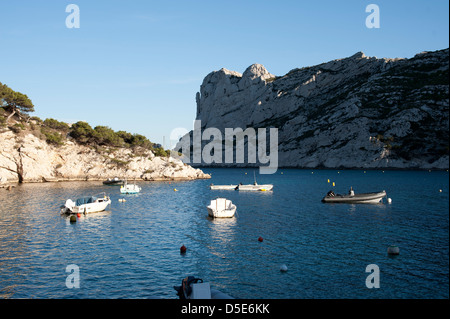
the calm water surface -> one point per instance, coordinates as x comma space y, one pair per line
132, 249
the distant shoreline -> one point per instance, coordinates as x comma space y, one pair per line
162, 179
332, 168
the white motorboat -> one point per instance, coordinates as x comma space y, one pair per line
221, 208
129, 188
85, 205
255, 186
363, 198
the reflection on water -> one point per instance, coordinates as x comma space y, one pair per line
132, 249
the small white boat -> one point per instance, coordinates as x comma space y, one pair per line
255, 187
129, 188
363, 198
241, 187
223, 187
221, 208
85, 205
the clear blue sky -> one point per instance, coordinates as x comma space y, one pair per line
136, 65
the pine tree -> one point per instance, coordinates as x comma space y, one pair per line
14, 102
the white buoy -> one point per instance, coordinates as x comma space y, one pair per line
389, 200
283, 268
393, 250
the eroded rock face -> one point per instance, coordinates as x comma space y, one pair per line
30, 159
357, 112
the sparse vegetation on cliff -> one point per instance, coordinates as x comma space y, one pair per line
14, 115
36, 150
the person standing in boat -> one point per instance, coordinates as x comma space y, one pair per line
351, 192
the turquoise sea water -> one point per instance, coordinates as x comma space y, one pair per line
132, 249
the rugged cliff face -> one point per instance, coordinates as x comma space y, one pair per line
357, 112
26, 158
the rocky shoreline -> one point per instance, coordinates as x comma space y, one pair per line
28, 159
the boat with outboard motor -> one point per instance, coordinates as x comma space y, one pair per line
87, 204
195, 288
352, 198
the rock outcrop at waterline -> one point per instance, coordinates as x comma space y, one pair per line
30, 159
356, 112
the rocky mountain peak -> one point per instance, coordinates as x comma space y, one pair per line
358, 55
257, 71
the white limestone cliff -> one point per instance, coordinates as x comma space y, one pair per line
356, 112
30, 159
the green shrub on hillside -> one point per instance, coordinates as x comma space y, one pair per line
57, 125
103, 135
2, 117
133, 140
82, 132
52, 137
161, 152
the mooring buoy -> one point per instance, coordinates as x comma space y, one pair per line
393, 250
283, 268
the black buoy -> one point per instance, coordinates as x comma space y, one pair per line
73, 218
393, 250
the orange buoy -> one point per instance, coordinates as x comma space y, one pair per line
260, 239
78, 215
183, 249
